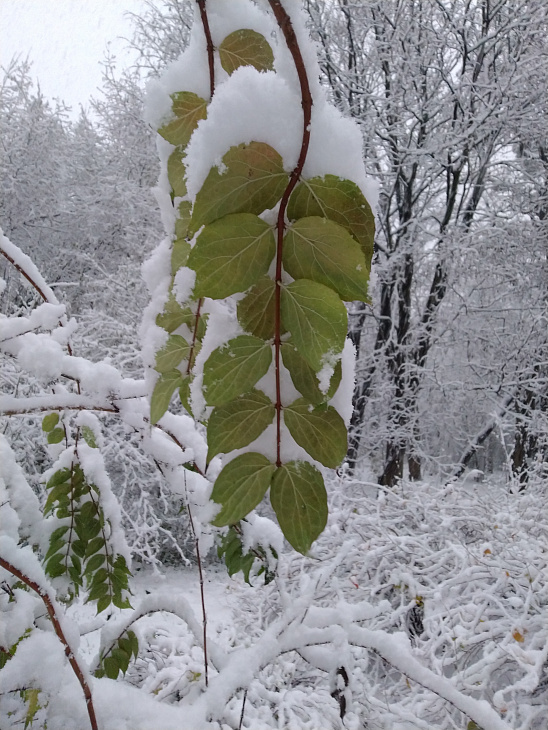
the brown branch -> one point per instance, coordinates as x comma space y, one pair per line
60, 635
35, 286
284, 23
209, 45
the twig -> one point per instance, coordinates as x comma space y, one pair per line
242, 712
60, 635
202, 594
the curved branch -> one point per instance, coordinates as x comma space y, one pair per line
285, 25
48, 602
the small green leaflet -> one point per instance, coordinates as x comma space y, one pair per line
256, 311
240, 487
179, 253
246, 48
317, 320
339, 200
89, 437
238, 423
56, 436
50, 421
320, 431
304, 378
173, 315
322, 251
252, 181
172, 354
165, 386
183, 220
234, 369
230, 254
189, 109
299, 499
176, 172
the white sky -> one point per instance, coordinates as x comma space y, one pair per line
66, 40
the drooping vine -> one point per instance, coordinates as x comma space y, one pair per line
280, 253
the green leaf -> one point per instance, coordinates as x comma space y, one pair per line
94, 563
172, 354
305, 379
320, 431
238, 423
299, 499
189, 109
56, 436
317, 320
93, 546
173, 315
230, 254
165, 386
184, 395
323, 251
121, 658
341, 201
257, 310
134, 643
89, 437
110, 664
246, 47
182, 223
176, 172
61, 476
234, 368
54, 547
240, 487
179, 254
50, 421
253, 180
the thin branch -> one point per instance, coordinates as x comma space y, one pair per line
60, 635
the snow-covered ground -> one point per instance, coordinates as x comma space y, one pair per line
469, 559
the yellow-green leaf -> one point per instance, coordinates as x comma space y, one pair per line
165, 386
305, 379
246, 47
176, 172
172, 354
234, 368
188, 109
238, 423
320, 250
299, 499
230, 254
49, 422
179, 254
256, 311
252, 181
173, 315
339, 200
320, 431
240, 487
56, 436
317, 320
183, 219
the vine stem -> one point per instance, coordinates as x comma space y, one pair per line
60, 635
285, 25
211, 64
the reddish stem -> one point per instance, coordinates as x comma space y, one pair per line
285, 25
60, 635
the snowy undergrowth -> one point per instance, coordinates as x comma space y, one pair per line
474, 557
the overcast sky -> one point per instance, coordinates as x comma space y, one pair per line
66, 40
